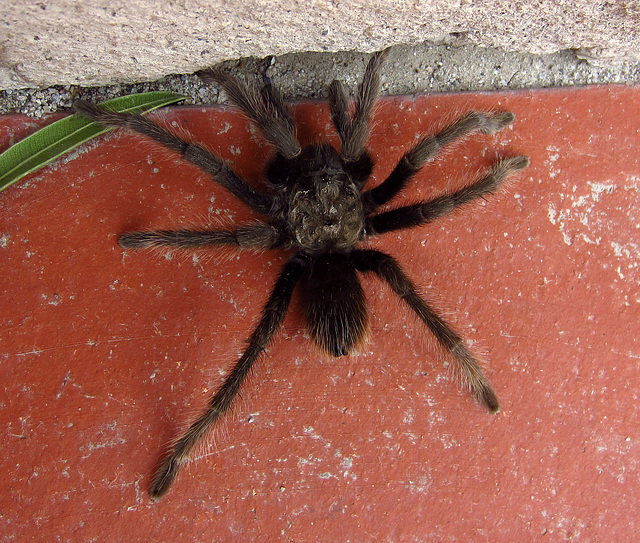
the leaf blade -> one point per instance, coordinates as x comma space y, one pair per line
60, 137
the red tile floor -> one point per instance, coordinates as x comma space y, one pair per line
107, 355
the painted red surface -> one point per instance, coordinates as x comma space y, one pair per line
105, 355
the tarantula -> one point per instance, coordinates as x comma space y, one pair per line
317, 207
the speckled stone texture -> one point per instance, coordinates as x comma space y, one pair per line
97, 42
105, 355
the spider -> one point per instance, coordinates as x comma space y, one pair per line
316, 207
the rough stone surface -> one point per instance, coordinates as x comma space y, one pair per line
414, 69
97, 42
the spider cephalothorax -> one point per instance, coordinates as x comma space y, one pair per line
315, 206
324, 204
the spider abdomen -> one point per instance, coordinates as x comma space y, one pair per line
335, 304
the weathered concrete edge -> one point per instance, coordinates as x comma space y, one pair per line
426, 67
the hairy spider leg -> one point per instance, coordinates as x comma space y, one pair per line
266, 108
275, 103
254, 236
272, 316
425, 212
213, 165
354, 132
426, 150
388, 269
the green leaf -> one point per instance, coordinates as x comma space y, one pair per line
62, 136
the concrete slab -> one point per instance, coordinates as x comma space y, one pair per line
89, 43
